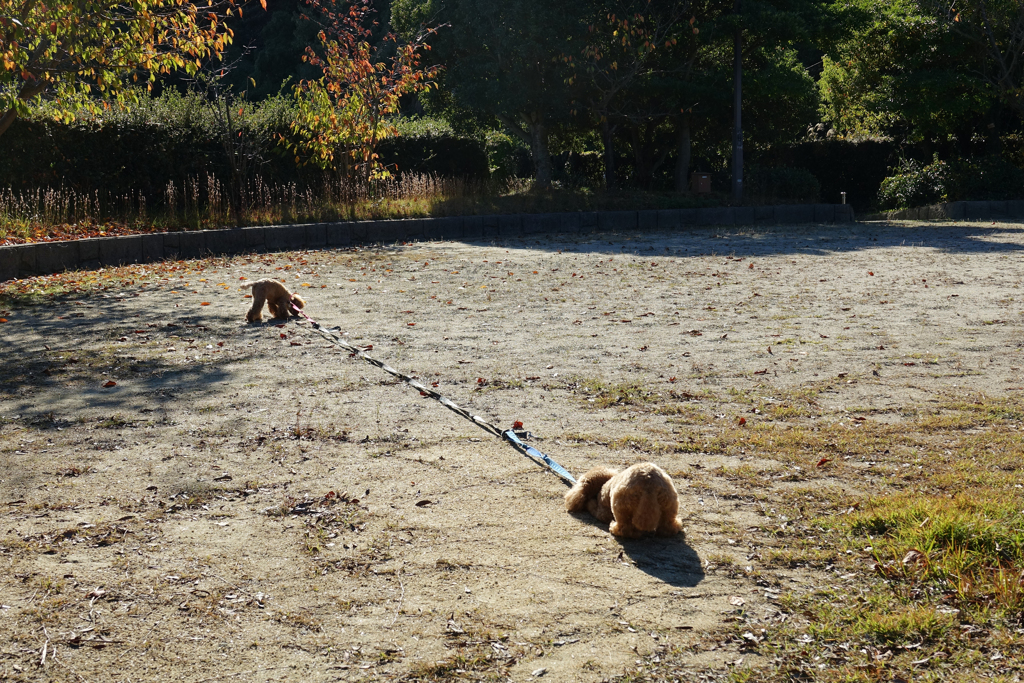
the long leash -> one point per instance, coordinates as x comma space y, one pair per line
508, 435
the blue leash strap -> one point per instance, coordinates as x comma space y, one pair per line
538, 457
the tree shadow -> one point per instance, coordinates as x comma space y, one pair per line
75, 357
764, 240
671, 559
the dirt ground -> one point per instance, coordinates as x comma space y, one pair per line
249, 503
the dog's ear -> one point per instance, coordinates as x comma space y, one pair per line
298, 301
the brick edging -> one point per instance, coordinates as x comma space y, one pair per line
43, 258
964, 211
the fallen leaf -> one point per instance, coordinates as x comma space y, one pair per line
205, 303
517, 424
870, 273
761, 372
823, 462
751, 266
913, 556
109, 383
3, 320
742, 421
424, 503
737, 601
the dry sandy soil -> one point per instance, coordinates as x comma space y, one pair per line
250, 503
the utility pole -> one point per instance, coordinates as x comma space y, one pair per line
737, 103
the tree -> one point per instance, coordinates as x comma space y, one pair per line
906, 75
503, 61
995, 31
342, 116
685, 85
76, 48
635, 60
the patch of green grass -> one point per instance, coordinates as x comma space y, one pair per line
605, 395
967, 552
916, 542
115, 421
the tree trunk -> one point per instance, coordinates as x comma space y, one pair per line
609, 155
683, 158
7, 119
540, 151
28, 91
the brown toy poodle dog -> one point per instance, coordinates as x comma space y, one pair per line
277, 297
638, 500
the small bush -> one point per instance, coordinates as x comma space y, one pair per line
781, 185
915, 185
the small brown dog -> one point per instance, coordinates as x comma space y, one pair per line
638, 500
279, 300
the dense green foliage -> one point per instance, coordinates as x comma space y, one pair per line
177, 139
598, 94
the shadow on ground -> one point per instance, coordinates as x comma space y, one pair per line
752, 241
77, 346
671, 560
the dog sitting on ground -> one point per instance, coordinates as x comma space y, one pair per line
277, 297
638, 500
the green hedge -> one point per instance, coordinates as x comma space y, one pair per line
781, 185
175, 137
854, 167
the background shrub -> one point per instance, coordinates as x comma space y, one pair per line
987, 178
915, 185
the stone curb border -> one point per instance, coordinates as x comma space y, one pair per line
43, 258
963, 211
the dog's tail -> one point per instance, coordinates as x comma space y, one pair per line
588, 486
